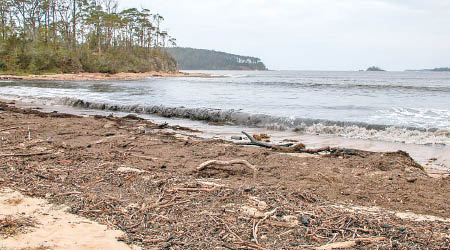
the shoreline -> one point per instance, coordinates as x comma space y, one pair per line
107, 168
103, 76
435, 158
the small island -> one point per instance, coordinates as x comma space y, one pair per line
374, 68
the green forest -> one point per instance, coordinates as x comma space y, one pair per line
201, 59
70, 36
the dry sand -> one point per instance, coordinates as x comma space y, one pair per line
140, 177
53, 227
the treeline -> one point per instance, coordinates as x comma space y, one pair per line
444, 69
39, 36
201, 59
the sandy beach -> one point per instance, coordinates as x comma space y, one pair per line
101, 76
142, 179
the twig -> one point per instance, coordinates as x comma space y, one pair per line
208, 190
158, 215
113, 198
350, 243
228, 163
94, 211
144, 157
175, 203
24, 155
6, 129
68, 193
229, 230
253, 245
285, 233
255, 228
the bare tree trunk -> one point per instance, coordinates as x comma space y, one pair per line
74, 24
54, 23
3, 17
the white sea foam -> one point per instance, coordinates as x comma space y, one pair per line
414, 116
357, 130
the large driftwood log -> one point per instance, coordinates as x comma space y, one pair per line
228, 163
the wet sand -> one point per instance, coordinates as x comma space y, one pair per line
435, 158
140, 177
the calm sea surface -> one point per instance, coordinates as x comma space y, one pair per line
407, 107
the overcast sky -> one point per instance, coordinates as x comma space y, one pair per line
314, 34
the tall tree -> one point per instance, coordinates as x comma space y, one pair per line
84, 28
4, 11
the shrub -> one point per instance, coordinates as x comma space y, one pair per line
40, 58
68, 62
3, 65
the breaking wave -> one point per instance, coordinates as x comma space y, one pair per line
347, 129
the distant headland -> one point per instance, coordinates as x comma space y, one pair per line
202, 59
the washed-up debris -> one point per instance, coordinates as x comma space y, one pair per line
148, 189
13, 225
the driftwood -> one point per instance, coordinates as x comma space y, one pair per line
288, 148
317, 150
262, 144
350, 243
228, 163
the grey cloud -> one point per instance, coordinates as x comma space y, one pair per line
315, 34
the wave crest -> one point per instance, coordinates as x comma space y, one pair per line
358, 130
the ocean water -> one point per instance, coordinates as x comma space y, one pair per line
406, 107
